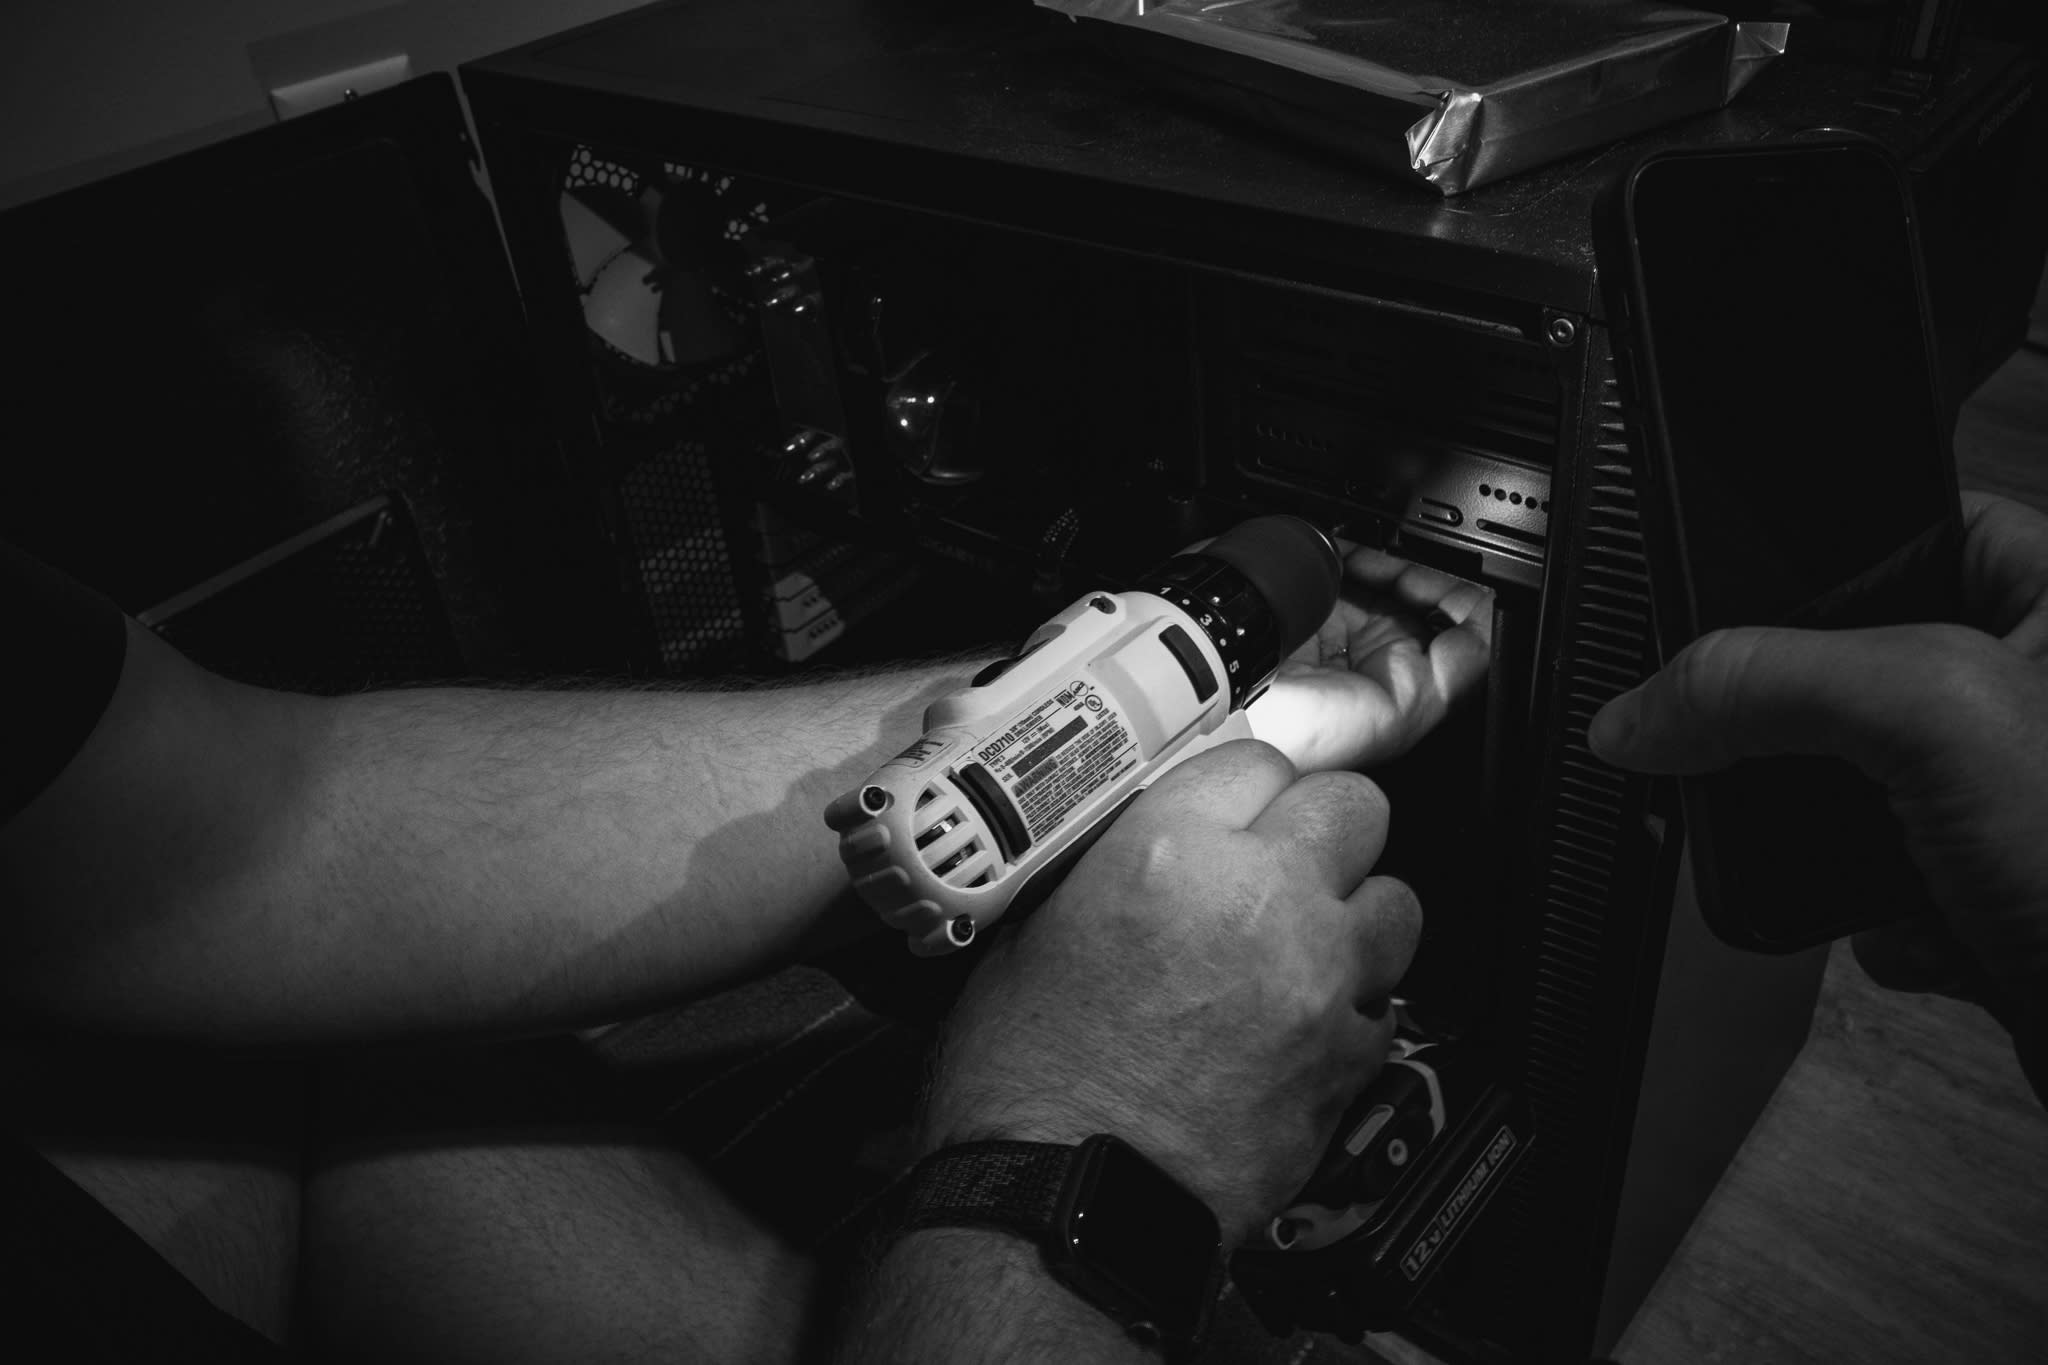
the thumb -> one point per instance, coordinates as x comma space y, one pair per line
1862, 695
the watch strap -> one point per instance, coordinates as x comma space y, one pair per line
998, 1183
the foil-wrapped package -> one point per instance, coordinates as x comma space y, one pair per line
1450, 93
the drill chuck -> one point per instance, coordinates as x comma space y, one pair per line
1257, 591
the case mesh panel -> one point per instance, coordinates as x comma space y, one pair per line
685, 567
688, 572
356, 609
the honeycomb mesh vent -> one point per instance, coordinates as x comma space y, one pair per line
682, 557
353, 608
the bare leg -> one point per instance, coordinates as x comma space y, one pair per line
473, 1207
197, 1153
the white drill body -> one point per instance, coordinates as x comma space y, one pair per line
1014, 776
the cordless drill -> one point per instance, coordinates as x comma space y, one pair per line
1018, 773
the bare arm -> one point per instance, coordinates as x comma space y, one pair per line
969, 1296
229, 863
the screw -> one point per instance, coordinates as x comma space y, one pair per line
1561, 331
961, 930
874, 800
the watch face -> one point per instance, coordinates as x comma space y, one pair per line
1129, 1232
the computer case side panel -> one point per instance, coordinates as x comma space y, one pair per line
1584, 932
1725, 1027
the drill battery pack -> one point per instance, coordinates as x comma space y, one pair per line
1373, 1277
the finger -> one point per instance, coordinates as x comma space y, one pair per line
1913, 955
1412, 585
1459, 657
1416, 585
1225, 787
1366, 1037
1335, 822
1869, 696
1467, 604
1387, 925
2005, 570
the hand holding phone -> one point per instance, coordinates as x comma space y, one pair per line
1954, 719
1778, 378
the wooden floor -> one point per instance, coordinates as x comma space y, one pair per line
1891, 1205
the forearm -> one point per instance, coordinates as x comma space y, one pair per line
439, 860
966, 1295
556, 856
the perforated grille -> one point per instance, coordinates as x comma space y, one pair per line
1585, 942
355, 609
587, 168
682, 556
1578, 886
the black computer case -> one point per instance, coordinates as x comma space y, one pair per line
1140, 322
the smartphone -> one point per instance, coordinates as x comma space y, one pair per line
1778, 380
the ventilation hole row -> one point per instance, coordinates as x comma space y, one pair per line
1502, 495
586, 168
1291, 437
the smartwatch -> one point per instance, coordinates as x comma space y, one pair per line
1112, 1226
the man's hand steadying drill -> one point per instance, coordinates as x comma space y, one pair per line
1210, 984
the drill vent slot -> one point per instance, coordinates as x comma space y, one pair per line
953, 837
959, 858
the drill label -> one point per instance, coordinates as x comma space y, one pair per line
1458, 1205
919, 753
1060, 752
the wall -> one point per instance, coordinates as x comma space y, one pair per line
89, 87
